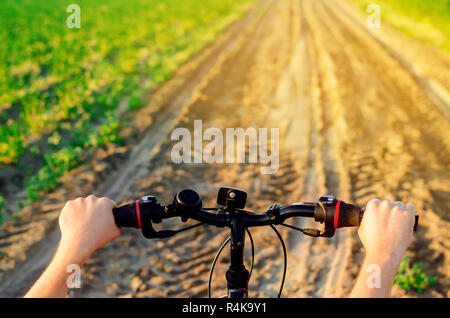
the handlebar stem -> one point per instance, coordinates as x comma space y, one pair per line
237, 275
237, 244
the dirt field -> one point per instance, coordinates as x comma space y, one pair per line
362, 113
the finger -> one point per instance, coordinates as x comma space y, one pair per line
79, 199
110, 201
399, 204
374, 203
410, 207
412, 211
107, 201
386, 205
89, 199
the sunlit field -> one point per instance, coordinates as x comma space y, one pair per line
61, 89
342, 97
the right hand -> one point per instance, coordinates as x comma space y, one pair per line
386, 230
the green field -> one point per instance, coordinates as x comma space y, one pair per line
428, 21
60, 88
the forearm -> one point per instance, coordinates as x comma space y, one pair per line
53, 282
375, 279
86, 224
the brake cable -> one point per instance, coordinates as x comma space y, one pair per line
253, 253
309, 232
214, 263
292, 227
188, 228
220, 251
252, 249
285, 259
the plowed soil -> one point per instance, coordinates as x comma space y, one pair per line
362, 113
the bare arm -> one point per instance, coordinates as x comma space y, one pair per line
386, 231
86, 225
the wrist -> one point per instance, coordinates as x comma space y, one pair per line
71, 253
387, 265
384, 258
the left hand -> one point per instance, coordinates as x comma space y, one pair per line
86, 224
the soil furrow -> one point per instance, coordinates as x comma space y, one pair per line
356, 119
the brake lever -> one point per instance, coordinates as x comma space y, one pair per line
321, 214
328, 231
151, 211
185, 202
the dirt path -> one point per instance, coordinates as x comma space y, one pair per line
359, 117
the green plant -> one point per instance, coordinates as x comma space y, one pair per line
11, 143
56, 165
135, 101
108, 132
65, 83
428, 21
412, 277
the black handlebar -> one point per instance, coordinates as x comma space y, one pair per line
142, 213
333, 213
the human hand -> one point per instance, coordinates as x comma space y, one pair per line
386, 231
86, 224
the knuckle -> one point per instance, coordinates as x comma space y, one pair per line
91, 198
104, 200
385, 204
72, 203
109, 201
399, 204
373, 203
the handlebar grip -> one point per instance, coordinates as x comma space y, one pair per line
347, 215
125, 216
351, 215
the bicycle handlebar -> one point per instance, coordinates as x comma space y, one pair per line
142, 213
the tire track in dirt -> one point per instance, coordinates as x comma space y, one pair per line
321, 108
356, 120
315, 275
163, 111
239, 82
332, 127
401, 152
436, 89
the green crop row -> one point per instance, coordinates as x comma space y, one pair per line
60, 87
60, 162
428, 21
